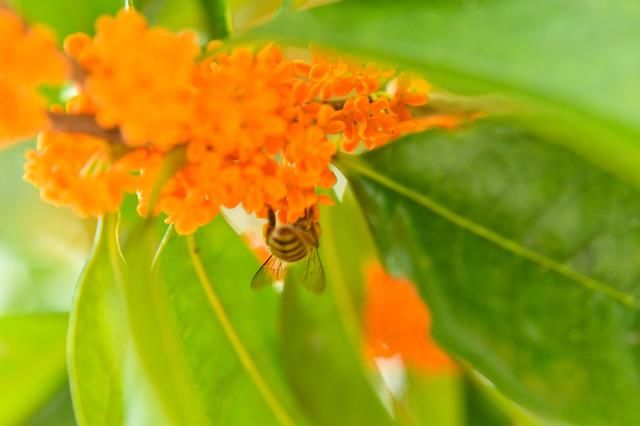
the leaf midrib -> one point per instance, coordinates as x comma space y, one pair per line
351, 164
230, 332
105, 234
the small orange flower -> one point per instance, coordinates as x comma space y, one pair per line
396, 322
28, 59
367, 121
88, 180
408, 92
186, 203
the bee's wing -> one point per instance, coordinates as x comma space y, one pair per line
313, 274
270, 271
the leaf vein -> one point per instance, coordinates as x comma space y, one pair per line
243, 355
501, 241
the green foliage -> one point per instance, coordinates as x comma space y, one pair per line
58, 411
32, 360
227, 333
218, 19
97, 337
322, 335
66, 16
526, 254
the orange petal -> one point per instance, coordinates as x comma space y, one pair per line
320, 72
361, 104
325, 113
326, 200
414, 99
301, 68
335, 126
342, 86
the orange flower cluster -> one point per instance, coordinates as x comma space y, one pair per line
28, 59
137, 78
397, 322
88, 180
256, 128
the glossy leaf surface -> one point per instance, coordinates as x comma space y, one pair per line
570, 56
227, 332
322, 333
32, 363
97, 334
527, 256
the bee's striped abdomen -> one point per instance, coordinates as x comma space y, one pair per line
285, 243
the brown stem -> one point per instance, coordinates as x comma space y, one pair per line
83, 123
78, 74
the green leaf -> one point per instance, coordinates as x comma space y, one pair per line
227, 333
486, 406
58, 411
218, 19
573, 57
248, 13
432, 398
108, 384
159, 353
175, 15
97, 333
32, 363
322, 335
209, 16
527, 256
481, 407
66, 16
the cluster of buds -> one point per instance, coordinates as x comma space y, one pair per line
256, 127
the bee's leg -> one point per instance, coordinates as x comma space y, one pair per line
270, 225
271, 216
310, 214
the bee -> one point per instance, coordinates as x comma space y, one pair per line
290, 244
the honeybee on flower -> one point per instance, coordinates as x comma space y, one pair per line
290, 243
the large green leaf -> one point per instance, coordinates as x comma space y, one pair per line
107, 378
322, 335
527, 256
97, 340
66, 16
58, 411
573, 55
160, 357
227, 334
32, 363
